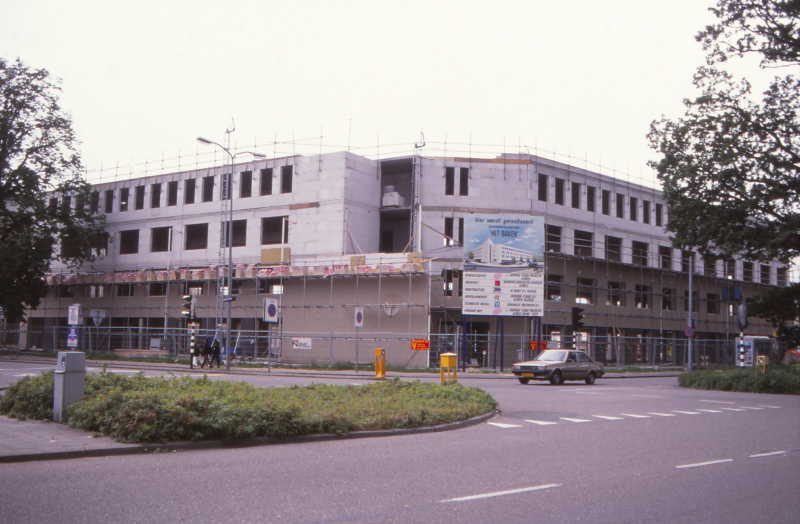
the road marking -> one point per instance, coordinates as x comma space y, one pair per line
710, 410
501, 425
686, 412
732, 409
748, 407
541, 422
718, 401
771, 407
636, 416
661, 414
704, 463
500, 493
575, 419
768, 454
607, 418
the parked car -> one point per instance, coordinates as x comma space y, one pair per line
558, 365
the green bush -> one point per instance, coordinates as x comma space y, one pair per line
141, 409
778, 379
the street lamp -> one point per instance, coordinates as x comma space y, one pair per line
229, 236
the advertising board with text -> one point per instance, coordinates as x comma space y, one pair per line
503, 265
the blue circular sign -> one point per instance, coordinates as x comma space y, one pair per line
272, 311
359, 317
689, 331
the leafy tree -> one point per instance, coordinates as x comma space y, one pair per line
44, 201
730, 168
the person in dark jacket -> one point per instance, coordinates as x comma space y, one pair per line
206, 351
214, 354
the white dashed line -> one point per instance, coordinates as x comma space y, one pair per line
704, 463
607, 418
686, 412
635, 416
709, 410
771, 407
575, 419
661, 414
501, 425
500, 493
541, 422
768, 454
748, 407
732, 409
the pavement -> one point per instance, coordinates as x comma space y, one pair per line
34, 440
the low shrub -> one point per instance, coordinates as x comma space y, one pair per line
777, 379
140, 409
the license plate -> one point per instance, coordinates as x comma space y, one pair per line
528, 375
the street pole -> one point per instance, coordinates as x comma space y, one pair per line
691, 302
229, 196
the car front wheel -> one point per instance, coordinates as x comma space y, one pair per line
556, 378
590, 378
523, 380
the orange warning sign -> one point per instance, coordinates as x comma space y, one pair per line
420, 345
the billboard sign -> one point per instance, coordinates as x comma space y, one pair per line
503, 265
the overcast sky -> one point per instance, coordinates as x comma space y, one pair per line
143, 79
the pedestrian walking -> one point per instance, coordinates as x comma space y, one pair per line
206, 352
214, 354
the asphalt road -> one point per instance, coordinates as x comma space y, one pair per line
623, 450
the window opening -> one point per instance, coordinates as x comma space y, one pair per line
559, 192
552, 238
266, 181
576, 195
271, 228
172, 193
583, 243
542, 181
613, 249
155, 195
286, 179
139, 198
160, 239
449, 181
208, 189
129, 242
189, 186
245, 184
463, 188
196, 236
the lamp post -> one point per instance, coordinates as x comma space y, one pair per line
229, 237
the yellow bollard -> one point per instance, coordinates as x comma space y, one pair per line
762, 363
380, 363
448, 362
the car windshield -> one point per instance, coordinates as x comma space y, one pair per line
555, 356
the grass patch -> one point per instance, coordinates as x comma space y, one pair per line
139, 409
778, 379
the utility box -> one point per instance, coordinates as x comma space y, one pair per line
69, 377
449, 365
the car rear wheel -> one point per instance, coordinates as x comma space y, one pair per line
590, 378
556, 378
523, 380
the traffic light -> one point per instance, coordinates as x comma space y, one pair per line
189, 307
577, 319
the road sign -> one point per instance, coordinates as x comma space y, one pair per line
72, 337
420, 345
689, 331
270, 310
359, 317
75, 317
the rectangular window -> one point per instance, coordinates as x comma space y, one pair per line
129, 242
542, 181
640, 255
711, 304
245, 184
613, 249
109, 200
747, 271
94, 202
448, 282
552, 238
160, 239
585, 291
96, 291
208, 189
155, 195
646, 211
266, 181
620, 205
709, 267
642, 296
590, 198
554, 289
188, 197
461, 231
125, 290
239, 233
559, 192
665, 257
66, 205
386, 242
463, 188
123, 199
765, 274
270, 286
448, 231
781, 277
193, 287
172, 193
730, 269
606, 202
286, 179
52, 205
666, 299
449, 181
576, 195
659, 213
271, 228
65, 291
686, 258
695, 301
634, 203
616, 294
583, 243
196, 236
139, 198
100, 246
157, 289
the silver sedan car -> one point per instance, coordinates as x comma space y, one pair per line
558, 365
